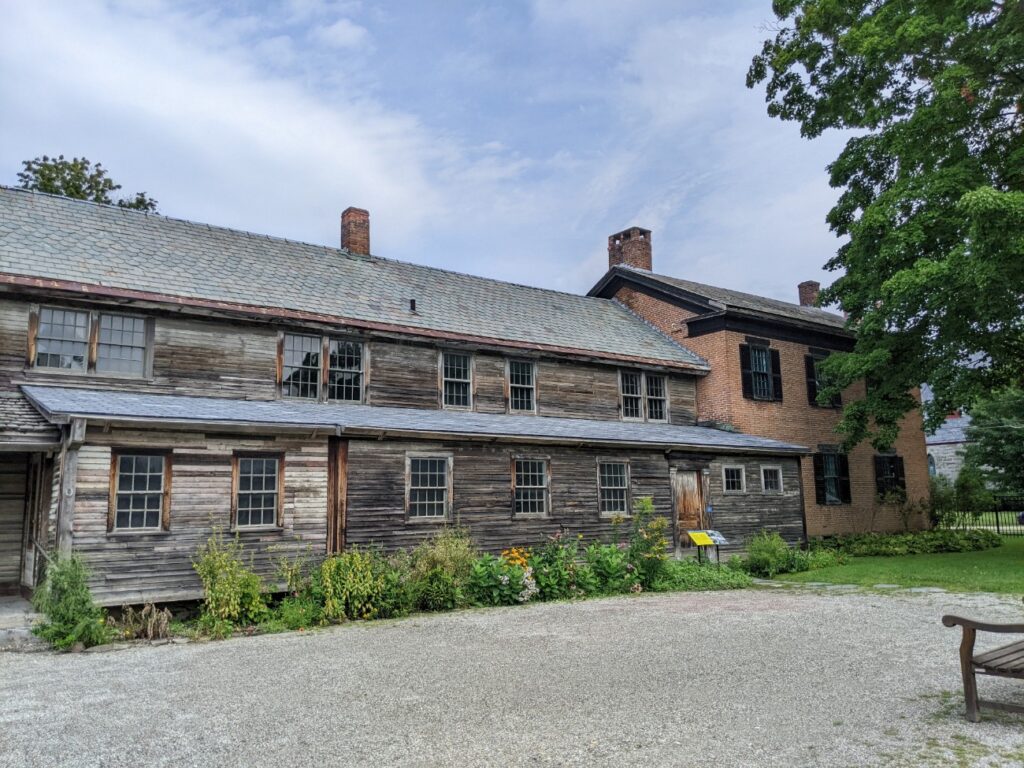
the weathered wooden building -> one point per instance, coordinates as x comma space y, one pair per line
160, 379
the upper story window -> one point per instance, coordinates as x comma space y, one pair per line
321, 368
761, 371
88, 341
456, 380
522, 386
889, 475
643, 396
831, 478
140, 497
817, 381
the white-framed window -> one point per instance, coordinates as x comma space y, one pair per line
643, 396
428, 486
111, 343
309, 360
522, 386
771, 479
734, 479
456, 380
530, 487
258, 490
141, 492
613, 487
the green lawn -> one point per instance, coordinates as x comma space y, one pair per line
994, 570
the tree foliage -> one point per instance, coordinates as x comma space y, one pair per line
932, 201
996, 436
79, 179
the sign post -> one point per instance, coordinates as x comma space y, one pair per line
707, 538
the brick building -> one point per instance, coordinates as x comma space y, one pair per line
763, 356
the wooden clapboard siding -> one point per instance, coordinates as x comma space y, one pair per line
13, 476
403, 375
131, 567
572, 390
489, 384
483, 492
682, 399
740, 516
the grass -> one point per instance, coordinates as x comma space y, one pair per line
998, 570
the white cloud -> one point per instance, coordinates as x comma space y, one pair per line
342, 34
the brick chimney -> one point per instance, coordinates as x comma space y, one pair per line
631, 247
355, 230
809, 290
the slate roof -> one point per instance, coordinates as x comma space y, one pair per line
952, 430
21, 423
44, 236
724, 298
61, 403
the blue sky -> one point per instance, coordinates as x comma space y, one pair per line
506, 139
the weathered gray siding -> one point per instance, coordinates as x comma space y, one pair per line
738, 516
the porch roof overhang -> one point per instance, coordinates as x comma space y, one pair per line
23, 428
62, 404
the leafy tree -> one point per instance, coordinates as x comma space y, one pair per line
932, 181
79, 179
996, 436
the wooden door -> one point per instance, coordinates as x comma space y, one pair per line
689, 502
13, 477
337, 494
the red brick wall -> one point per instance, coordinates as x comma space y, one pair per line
794, 420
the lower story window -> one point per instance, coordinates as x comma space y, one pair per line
530, 479
139, 500
258, 494
831, 478
613, 487
771, 479
428, 486
733, 479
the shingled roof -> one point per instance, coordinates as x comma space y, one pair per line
21, 424
107, 249
60, 404
714, 298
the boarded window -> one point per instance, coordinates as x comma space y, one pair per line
771, 479
427, 486
345, 372
831, 478
656, 398
456, 380
733, 479
613, 487
122, 344
258, 494
521, 385
531, 487
62, 339
139, 499
301, 366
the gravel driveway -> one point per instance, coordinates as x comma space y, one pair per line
753, 678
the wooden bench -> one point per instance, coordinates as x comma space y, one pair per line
1005, 661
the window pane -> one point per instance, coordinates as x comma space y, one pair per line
345, 376
613, 486
301, 372
760, 365
140, 485
531, 487
122, 344
428, 486
62, 339
520, 376
456, 380
257, 492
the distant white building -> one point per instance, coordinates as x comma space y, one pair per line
946, 447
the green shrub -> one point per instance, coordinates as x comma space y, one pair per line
398, 594
349, 585
439, 591
233, 593
611, 568
298, 612
648, 543
64, 599
917, 543
556, 569
767, 554
495, 581
690, 576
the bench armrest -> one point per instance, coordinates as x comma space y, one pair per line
981, 626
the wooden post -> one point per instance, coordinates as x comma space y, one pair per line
68, 481
967, 670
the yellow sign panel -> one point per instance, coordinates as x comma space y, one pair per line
701, 539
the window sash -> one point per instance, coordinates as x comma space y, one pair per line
89, 341
345, 371
121, 346
258, 493
613, 487
632, 395
761, 372
830, 463
521, 385
62, 339
138, 492
733, 479
427, 486
301, 366
530, 480
774, 484
456, 380
643, 396
656, 397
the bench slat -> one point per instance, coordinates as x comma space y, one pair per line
997, 653
1008, 659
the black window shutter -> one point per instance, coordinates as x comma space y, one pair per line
812, 380
837, 400
745, 373
880, 467
819, 478
901, 478
844, 479
776, 375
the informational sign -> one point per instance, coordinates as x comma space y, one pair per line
707, 538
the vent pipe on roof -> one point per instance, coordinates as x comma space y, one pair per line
355, 230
